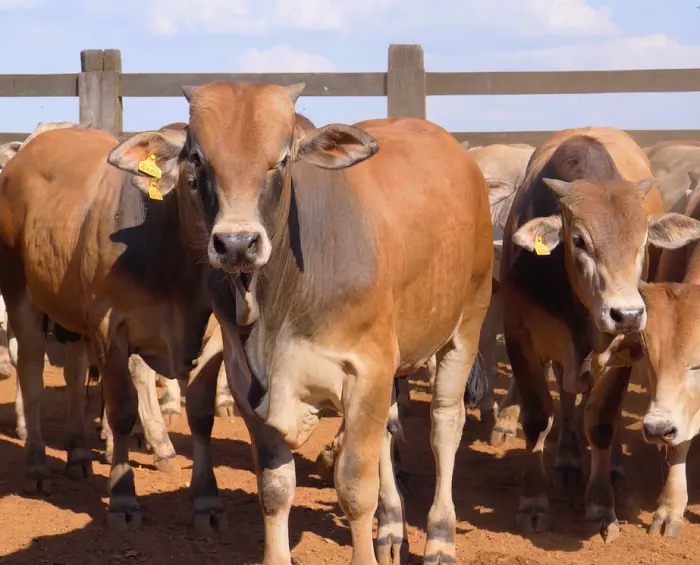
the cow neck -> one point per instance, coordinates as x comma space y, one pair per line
283, 208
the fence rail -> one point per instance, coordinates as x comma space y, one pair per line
101, 86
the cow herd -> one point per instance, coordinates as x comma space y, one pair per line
255, 257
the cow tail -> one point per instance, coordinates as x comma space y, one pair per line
476, 384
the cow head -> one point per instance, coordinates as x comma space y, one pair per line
671, 362
7, 151
236, 156
604, 229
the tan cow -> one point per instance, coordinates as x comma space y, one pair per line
108, 275
503, 167
358, 253
676, 168
575, 248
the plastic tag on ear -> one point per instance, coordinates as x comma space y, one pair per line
541, 248
154, 193
149, 167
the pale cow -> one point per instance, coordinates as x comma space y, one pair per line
676, 168
358, 253
575, 249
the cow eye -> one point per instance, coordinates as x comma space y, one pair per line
579, 242
694, 367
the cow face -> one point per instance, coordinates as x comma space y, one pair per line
605, 229
672, 363
236, 156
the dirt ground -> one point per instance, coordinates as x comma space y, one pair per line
69, 526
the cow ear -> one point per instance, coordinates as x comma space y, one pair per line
499, 190
148, 156
7, 151
671, 231
541, 235
335, 146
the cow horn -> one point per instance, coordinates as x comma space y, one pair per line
646, 185
295, 90
559, 187
189, 91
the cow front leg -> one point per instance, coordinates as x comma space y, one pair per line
508, 414
170, 405
529, 374
601, 423
26, 324
79, 461
366, 411
225, 407
668, 518
154, 428
209, 514
122, 409
273, 460
493, 323
567, 464
21, 426
391, 525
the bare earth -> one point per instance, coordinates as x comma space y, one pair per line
69, 526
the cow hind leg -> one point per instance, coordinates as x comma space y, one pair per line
391, 526
79, 463
567, 464
209, 515
447, 413
26, 324
170, 405
224, 404
21, 426
537, 407
154, 428
507, 417
601, 424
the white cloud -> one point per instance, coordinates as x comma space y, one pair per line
18, 4
646, 52
281, 58
250, 17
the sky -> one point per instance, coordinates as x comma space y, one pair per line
46, 36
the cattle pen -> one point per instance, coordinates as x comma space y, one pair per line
101, 85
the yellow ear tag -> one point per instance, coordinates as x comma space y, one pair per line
149, 167
621, 359
541, 248
153, 192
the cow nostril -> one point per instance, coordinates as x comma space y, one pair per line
616, 315
253, 248
219, 245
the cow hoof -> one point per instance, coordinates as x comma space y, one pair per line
171, 418
37, 482
107, 457
103, 434
501, 436
533, 520
211, 523
167, 465
79, 469
224, 410
603, 529
667, 527
567, 477
391, 550
124, 521
21, 433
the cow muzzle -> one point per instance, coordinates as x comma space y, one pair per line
623, 317
239, 251
658, 428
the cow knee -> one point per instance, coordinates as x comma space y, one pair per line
276, 491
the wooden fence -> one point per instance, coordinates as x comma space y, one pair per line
101, 86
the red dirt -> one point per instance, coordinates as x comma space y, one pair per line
69, 526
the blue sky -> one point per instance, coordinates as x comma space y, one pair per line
46, 36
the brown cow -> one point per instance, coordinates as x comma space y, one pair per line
350, 270
592, 191
106, 273
676, 168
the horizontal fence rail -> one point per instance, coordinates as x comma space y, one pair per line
101, 86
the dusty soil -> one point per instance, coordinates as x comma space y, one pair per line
69, 526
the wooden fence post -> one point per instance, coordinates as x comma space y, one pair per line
98, 89
405, 82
